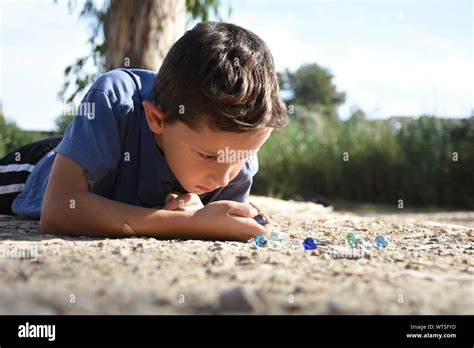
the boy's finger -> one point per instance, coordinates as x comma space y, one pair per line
241, 209
190, 198
246, 213
178, 202
257, 228
256, 207
170, 197
268, 223
174, 204
261, 212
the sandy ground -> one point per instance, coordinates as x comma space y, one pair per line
426, 269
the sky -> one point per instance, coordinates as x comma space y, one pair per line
391, 58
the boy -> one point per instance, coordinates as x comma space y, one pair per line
155, 154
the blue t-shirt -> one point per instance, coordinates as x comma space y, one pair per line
110, 138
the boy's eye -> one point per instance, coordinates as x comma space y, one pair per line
207, 157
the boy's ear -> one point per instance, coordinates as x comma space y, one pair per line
154, 116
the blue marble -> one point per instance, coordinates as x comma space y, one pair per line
381, 242
310, 243
260, 219
260, 240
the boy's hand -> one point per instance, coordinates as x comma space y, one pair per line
183, 202
229, 220
268, 223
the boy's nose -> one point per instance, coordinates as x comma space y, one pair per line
220, 182
221, 178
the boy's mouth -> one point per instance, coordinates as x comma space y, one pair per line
205, 189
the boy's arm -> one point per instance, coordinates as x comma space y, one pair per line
70, 209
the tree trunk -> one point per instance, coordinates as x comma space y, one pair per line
138, 34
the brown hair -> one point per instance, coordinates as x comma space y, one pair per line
221, 74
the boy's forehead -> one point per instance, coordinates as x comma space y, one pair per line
213, 140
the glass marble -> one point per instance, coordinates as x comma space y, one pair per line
381, 242
310, 243
260, 240
275, 236
260, 219
353, 239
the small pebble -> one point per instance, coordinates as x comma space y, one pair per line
310, 243
260, 240
240, 299
398, 258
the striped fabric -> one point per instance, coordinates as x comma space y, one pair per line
16, 168
11, 188
11, 180
15, 172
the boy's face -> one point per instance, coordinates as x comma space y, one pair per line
205, 160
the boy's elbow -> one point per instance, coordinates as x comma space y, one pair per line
54, 226
46, 224
51, 223
52, 216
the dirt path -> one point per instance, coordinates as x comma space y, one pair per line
426, 269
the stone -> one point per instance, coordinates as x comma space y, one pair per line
239, 299
380, 242
336, 306
398, 258
310, 243
260, 240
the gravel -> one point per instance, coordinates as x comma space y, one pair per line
427, 268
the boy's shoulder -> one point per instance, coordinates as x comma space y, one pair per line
124, 85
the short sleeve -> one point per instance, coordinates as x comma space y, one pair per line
92, 139
238, 189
